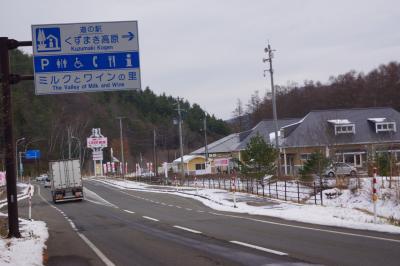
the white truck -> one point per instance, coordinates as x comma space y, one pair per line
66, 180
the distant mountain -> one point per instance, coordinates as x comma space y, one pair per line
378, 88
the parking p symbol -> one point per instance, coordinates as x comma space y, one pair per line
44, 63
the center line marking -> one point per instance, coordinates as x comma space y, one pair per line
259, 248
149, 218
187, 229
128, 211
188, 209
179, 207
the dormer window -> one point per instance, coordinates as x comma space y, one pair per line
343, 126
345, 129
383, 125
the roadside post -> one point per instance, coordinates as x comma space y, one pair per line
195, 184
176, 183
233, 186
374, 195
30, 201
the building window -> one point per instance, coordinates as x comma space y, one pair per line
385, 127
345, 129
200, 166
305, 156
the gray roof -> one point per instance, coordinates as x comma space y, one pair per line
315, 130
264, 128
238, 141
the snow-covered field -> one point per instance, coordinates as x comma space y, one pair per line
388, 205
27, 250
340, 211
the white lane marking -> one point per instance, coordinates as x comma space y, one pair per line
179, 207
156, 202
200, 211
170, 205
92, 246
188, 209
162, 203
150, 218
96, 199
259, 248
128, 211
96, 250
309, 228
187, 229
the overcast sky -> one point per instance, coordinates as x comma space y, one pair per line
210, 52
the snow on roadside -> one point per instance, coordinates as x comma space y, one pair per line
388, 204
27, 250
221, 200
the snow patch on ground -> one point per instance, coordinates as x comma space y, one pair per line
27, 250
388, 204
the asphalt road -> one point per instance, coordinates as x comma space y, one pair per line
145, 228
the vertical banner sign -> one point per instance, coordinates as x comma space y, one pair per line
97, 142
86, 57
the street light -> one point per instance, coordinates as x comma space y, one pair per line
205, 138
122, 146
16, 154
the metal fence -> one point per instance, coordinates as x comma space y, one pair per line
288, 190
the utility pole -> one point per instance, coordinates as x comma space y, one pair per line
69, 142
6, 107
154, 153
205, 139
180, 138
268, 50
122, 146
80, 149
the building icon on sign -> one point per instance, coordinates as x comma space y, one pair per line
48, 39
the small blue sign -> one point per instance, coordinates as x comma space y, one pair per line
86, 62
48, 39
32, 154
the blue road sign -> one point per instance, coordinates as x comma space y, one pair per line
84, 57
32, 154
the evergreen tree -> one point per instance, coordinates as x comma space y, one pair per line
258, 158
316, 164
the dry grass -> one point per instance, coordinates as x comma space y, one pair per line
45, 257
3, 226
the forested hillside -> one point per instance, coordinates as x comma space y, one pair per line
380, 87
44, 121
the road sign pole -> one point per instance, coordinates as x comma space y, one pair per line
8, 139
